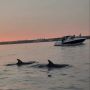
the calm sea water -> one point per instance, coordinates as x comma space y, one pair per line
76, 77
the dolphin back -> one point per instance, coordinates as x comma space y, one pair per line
10, 64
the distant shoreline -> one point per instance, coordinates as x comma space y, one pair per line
35, 41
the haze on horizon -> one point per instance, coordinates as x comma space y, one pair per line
31, 19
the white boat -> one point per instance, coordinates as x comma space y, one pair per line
70, 40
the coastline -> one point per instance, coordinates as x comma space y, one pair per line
35, 41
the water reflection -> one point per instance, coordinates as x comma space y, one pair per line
29, 78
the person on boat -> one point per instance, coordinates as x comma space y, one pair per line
72, 37
80, 35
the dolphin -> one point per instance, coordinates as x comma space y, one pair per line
20, 63
51, 65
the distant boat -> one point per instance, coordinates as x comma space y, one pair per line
70, 40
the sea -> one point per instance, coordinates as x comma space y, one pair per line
26, 77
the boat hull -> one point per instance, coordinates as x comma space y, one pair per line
76, 41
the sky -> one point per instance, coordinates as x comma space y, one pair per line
35, 19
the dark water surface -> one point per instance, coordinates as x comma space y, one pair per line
76, 77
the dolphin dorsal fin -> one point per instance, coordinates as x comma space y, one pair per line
19, 61
50, 62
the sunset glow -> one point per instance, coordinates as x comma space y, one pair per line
33, 19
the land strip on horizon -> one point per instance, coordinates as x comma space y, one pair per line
35, 40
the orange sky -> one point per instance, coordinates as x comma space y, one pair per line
32, 19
